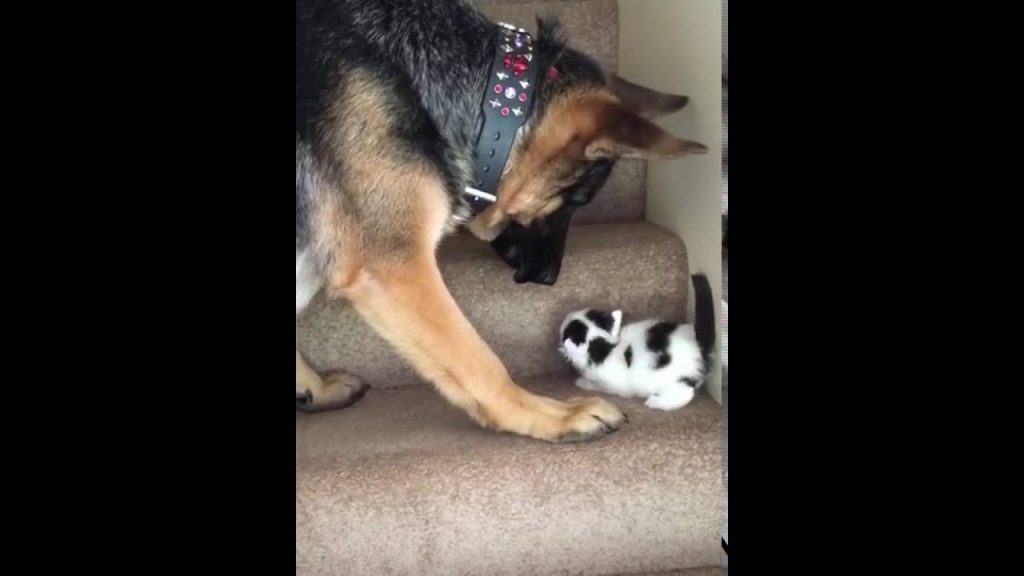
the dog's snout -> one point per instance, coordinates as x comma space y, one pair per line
548, 277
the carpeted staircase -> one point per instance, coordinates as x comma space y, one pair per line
402, 483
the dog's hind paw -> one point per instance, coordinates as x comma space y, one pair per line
339, 390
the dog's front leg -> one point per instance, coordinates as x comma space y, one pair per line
409, 305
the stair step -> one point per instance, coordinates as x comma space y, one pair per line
637, 267
403, 483
622, 199
705, 571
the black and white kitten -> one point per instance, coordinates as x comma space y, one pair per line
663, 362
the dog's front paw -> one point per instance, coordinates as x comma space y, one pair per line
590, 419
339, 390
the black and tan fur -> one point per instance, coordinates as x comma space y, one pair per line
386, 114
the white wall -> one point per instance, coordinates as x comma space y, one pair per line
676, 46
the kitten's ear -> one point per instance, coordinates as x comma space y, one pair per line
616, 323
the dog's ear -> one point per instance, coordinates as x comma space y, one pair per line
644, 101
624, 134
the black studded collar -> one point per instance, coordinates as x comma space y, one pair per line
507, 102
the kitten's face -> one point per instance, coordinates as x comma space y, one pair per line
581, 327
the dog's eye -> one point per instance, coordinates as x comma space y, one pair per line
550, 206
589, 177
579, 173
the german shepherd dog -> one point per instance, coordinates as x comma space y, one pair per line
388, 109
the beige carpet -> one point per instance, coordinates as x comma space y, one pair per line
402, 483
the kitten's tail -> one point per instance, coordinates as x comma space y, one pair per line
704, 322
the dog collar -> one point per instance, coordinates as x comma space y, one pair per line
507, 103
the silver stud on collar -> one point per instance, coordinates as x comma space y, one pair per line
480, 194
508, 26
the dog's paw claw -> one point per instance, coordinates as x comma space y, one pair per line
341, 390
593, 419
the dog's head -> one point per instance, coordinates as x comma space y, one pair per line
583, 123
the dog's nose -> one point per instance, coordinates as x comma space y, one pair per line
547, 278
522, 275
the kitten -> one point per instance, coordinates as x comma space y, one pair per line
663, 362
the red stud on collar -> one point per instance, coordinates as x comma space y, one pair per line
553, 73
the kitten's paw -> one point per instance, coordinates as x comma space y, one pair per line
586, 384
673, 402
655, 403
